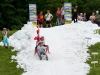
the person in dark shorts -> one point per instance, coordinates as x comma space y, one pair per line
48, 18
75, 12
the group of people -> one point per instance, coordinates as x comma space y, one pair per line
82, 17
94, 18
41, 48
60, 16
48, 17
78, 16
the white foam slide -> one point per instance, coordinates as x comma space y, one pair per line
67, 46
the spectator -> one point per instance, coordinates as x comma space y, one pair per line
4, 35
84, 17
40, 19
75, 12
80, 18
58, 13
97, 18
92, 17
48, 18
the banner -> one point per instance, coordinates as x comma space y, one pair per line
33, 14
68, 12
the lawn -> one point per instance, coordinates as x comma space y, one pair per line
94, 70
94, 48
6, 66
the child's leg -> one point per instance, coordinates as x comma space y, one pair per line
4, 41
7, 42
38, 53
35, 50
47, 48
44, 53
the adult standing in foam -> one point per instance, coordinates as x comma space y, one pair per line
84, 17
97, 18
48, 18
80, 17
4, 36
40, 19
75, 12
92, 17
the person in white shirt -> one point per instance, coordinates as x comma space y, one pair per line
4, 37
48, 18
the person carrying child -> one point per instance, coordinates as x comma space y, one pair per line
41, 51
43, 43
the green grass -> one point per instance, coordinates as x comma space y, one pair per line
6, 66
94, 70
97, 31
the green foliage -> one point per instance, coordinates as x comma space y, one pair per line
97, 31
6, 66
94, 70
16, 12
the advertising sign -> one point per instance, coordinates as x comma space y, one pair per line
33, 14
68, 12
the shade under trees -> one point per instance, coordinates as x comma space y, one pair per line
14, 13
